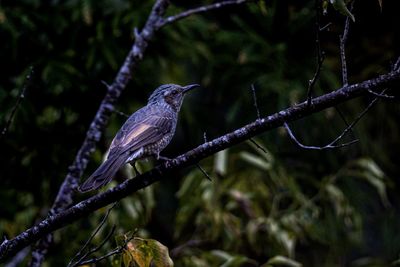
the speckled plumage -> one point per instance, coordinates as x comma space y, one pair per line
145, 133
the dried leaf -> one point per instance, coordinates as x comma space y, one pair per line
145, 253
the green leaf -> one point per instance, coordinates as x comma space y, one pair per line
221, 161
340, 6
375, 176
145, 253
282, 261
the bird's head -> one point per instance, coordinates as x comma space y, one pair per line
170, 94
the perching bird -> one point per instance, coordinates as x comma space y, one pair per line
146, 132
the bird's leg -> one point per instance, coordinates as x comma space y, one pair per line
133, 164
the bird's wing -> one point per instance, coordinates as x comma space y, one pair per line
136, 134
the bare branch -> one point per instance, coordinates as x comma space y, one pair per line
21, 96
118, 250
94, 260
121, 113
320, 53
328, 146
396, 65
311, 83
102, 222
333, 144
343, 40
325, 27
201, 9
18, 258
83, 208
257, 145
95, 249
345, 121
203, 171
253, 90
381, 95
106, 85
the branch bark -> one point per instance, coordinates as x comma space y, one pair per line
83, 208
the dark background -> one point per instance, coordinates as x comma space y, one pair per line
321, 208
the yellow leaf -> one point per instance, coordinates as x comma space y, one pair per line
145, 253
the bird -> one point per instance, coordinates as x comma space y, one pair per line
144, 134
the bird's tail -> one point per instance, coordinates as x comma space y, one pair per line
103, 174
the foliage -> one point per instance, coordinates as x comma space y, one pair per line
286, 207
141, 252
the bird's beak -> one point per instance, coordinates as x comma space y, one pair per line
187, 88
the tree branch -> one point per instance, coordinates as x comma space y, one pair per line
320, 53
102, 222
201, 9
21, 96
381, 95
83, 208
343, 40
203, 172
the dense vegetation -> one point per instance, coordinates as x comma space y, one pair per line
288, 206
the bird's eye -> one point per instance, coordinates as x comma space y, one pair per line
174, 92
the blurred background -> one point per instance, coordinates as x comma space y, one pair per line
286, 207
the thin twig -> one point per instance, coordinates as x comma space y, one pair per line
118, 250
323, 28
253, 90
320, 54
380, 95
106, 85
121, 113
108, 236
311, 83
103, 221
396, 65
342, 45
94, 260
332, 144
95, 249
345, 121
21, 96
343, 40
203, 171
198, 10
328, 146
258, 146
205, 137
